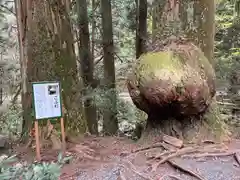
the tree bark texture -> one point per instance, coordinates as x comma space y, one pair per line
110, 122
86, 65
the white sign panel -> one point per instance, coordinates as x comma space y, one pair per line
47, 100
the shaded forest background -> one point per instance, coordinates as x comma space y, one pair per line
90, 46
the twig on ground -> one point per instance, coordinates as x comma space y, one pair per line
137, 172
158, 145
186, 170
171, 176
212, 154
122, 177
237, 157
159, 156
175, 177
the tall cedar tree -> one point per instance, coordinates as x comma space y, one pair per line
24, 21
110, 122
86, 64
141, 32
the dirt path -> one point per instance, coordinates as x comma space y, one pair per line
110, 158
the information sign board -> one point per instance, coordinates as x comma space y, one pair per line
47, 100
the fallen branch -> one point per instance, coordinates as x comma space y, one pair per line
176, 154
171, 176
137, 172
160, 155
181, 152
212, 154
174, 177
173, 141
185, 170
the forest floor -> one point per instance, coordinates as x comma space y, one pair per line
118, 158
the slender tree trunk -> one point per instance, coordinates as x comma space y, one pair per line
86, 65
110, 122
93, 28
141, 34
1, 82
157, 19
204, 12
183, 15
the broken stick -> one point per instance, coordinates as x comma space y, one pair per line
185, 170
158, 145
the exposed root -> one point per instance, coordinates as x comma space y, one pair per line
185, 170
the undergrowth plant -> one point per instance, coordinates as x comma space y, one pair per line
35, 171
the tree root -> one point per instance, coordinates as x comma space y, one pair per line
185, 170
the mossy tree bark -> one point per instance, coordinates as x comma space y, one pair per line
53, 49
110, 122
86, 65
175, 86
24, 19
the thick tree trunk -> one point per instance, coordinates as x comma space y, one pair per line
110, 122
175, 86
193, 129
59, 36
141, 35
86, 65
24, 18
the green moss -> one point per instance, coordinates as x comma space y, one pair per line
159, 60
159, 65
176, 63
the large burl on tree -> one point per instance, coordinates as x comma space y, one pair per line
175, 86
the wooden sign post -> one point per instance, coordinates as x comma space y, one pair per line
47, 105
